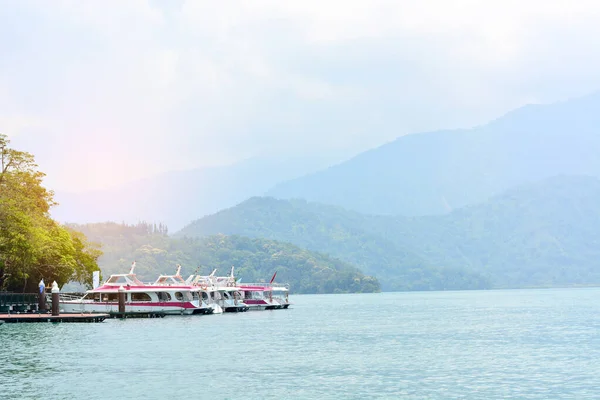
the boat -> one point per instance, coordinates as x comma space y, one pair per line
175, 298
219, 291
204, 307
266, 296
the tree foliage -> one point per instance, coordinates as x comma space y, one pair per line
32, 245
255, 260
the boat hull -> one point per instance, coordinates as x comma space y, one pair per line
78, 307
238, 308
259, 305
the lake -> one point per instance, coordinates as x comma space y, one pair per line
526, 344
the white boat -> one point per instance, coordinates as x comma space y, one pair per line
166, 298
220, 292
177, 281
266, 296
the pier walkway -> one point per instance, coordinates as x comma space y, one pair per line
14, 318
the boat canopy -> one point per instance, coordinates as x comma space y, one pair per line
170, 280
124, 279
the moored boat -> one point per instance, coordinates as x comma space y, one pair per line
266, 296
177, 281
176, 298
219, 291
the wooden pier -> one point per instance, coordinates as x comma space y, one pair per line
15, 318
93, 317
134, 314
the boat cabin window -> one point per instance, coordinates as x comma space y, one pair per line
204, 296
110, 297
195, 296
140, 297
92, 296
163, 296
183, 296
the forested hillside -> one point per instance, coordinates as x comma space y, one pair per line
543, 234
362, 240
254, 259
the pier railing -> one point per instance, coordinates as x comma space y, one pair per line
71, 296
265, 284
18, 302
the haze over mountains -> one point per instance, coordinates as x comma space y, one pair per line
417, 174
178, 197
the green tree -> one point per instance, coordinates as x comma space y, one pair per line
32, 245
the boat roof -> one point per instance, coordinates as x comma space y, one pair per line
137, 289
230, 283
130, 282
170, 280
124, 279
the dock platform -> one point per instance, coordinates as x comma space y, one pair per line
15, 318
134, 314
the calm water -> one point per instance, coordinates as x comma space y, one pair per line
529, 344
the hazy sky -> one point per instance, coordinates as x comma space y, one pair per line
106, 91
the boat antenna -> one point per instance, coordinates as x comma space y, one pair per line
213, 273
132, 268
178, 270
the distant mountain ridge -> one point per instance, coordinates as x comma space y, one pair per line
176, 198
436, 172
542, 234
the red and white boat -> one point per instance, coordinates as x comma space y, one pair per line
168, 295
266, 296
219, 291
177, 281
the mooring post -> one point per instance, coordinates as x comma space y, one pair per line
121, 300
42, 297
55, 298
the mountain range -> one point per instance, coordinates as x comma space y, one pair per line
512, 203
542, 234
436, 172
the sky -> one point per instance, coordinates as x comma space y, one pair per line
104, 92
